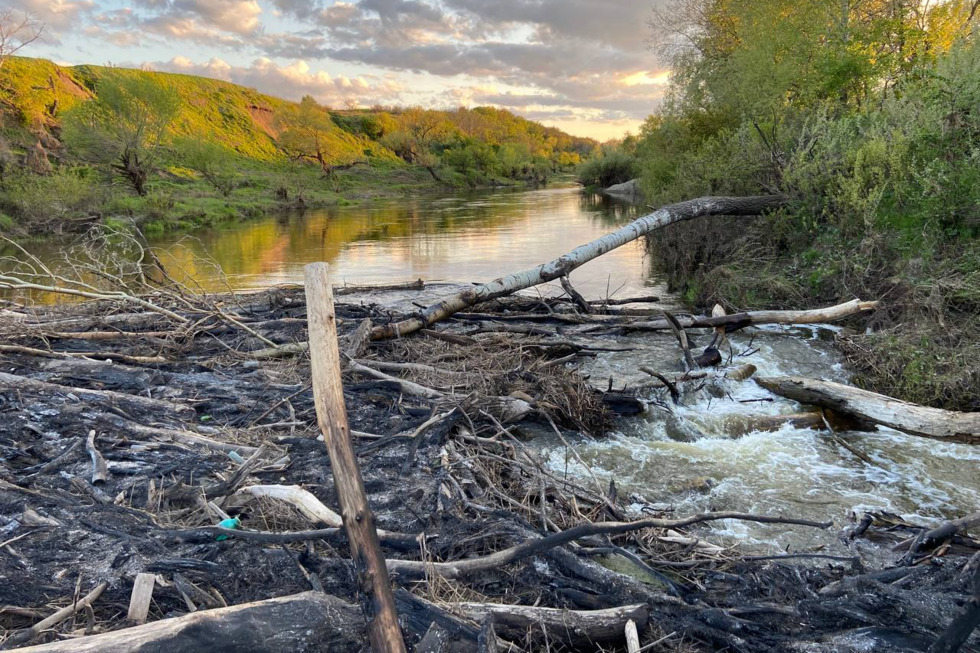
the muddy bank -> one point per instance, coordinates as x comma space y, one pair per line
195, 405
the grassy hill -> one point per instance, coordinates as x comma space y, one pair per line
46, 184
39, 93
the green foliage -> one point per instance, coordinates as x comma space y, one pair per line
210, 160
611, 167
124, 126
864, 114
45, 201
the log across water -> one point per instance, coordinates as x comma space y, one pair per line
878, 409
581, 255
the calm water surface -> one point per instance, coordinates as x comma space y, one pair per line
464, 237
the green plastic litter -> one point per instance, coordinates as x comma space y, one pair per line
232, 523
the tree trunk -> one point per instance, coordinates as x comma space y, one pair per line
737, 321
878, 409
432, 171
578, 257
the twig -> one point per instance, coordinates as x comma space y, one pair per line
28, 634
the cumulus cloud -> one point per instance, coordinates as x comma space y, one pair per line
233, 16
57, 15
551, 57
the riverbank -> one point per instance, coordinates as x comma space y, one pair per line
193, 403
922, 347
183, 201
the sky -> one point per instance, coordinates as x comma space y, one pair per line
580, 65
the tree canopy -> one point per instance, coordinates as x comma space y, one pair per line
124, 125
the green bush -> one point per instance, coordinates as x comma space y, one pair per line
67, 195
609, 168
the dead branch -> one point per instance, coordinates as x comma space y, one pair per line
462, 568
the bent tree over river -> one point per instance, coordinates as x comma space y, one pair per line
701, 455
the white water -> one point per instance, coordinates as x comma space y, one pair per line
687, 458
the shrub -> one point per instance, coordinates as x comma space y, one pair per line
608, 169
66, 195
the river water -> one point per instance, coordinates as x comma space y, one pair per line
687, 458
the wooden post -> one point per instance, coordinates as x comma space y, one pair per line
328, 395
139, 600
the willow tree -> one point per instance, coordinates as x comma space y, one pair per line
305, 131
125, 125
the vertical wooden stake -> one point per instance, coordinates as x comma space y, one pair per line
328, 395
139, 600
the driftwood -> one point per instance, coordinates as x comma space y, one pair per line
139, 600
931, 538
581, 627
311, 621
878, 409
469, 566
377, 603
737, 321
28, 634
563, 265
311, 507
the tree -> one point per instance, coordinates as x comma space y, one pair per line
210, 160
420, 130
306, 130
125, 124
17, 32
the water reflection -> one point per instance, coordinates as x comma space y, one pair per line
469, 237
461, 237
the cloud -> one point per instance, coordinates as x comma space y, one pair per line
292, 81
619, 23
233, 16
57, 15
550, 57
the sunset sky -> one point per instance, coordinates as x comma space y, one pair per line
581, 65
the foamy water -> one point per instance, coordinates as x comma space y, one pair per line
688, 457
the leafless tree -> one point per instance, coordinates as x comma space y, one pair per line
16, 31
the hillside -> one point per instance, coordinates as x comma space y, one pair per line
226, 151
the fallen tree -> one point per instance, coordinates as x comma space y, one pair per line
878, 409
307, 621
737, 321
563, 265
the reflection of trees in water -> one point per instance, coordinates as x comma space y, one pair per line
608, 210
387, 236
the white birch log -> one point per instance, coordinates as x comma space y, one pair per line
578, 257
741, 320
878, 409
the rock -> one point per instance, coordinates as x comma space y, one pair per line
629, 188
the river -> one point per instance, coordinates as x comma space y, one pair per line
685, 458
